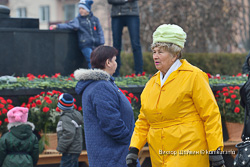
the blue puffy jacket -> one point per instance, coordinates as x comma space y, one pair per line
88, 28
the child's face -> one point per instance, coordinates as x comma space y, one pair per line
83, 12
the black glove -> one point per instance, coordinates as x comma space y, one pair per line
132, 157
216, 158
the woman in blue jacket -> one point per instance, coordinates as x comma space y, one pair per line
108, 116
88, 27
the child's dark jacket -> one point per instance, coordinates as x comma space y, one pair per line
19, 146
88, 28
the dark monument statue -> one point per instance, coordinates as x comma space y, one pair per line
26, 49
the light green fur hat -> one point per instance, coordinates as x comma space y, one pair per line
170, 33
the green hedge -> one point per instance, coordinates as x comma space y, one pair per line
213, 63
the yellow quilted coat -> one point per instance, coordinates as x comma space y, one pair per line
180, 120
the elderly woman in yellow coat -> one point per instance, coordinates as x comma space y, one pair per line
179, 116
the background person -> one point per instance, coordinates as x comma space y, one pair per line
246, 67
19, 146
69, 131
88, 27
178, 108
126, 13
107, 113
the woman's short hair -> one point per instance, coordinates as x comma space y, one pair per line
170, 47
100, 55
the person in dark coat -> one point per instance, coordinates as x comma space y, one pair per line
69, 131
245, 66
19, 146
125, 13
245, 102
88, 27
107, 113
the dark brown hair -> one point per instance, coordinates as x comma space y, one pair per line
100, 55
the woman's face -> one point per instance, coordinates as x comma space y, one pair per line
163, 59
113, 65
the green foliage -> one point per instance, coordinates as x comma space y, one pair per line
214, 63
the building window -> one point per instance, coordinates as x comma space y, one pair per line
70, 12
44, 14
21, 12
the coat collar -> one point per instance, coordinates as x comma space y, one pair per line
91, 74
186, 66
15, 124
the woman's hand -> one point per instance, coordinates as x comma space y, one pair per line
131, 159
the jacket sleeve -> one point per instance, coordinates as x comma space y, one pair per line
100, 33
67, 137
35, 151
3, 150
208, 110
245, 67
139, 137
106, 103
72, 25
117, 2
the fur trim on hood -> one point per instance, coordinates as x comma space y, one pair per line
91, 74
10, 125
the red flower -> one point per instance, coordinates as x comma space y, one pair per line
231, 91
0, 123
42, 93
237, 102
72, 75
3, 101
28, 106
57, 109
9, 101
1, 105
6, 120
31, 99
10, 107
224, 89
239, 74
136, 99
79, 108
131, 95
209, 75
46, 98
129, 99
45, 109
48, 93
143, 73
231, 88
49, 101
75, 106
218, 91
236, 87
4, 110
228, 100
38, 102
233, 96
33, 105
237, 110
138, 75
225, 94
23, 105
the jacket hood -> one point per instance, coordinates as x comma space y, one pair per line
74, 115
87, 76
21, 130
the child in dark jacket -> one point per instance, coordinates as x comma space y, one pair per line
69, 131
88, 27
19, 146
